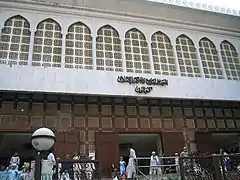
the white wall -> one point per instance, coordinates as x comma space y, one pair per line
105, 83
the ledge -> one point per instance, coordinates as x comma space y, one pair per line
135, 11
74, 81
200, 6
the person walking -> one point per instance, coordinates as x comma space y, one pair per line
131, 167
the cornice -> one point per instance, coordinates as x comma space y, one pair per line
200, 6
111, 15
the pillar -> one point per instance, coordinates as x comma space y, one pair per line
64, 34
149, 42
192, 142
220, 60
30, 52
122, 38
176, 58
199, 59
94, 49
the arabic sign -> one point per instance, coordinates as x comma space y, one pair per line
143, 81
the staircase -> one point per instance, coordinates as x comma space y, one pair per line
173, 176
162, 177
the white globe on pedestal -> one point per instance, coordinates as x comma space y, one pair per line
43, 139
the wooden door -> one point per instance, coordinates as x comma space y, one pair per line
107, 151
172, 143
66, 143
205, 142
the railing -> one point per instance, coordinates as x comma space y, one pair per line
77, 170
167, 169
213, 167
139, 172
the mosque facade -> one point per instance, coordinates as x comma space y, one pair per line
91, 69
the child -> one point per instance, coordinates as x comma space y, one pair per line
65, 175
122, 164
15, 159
12, 172
115, 173
124, 177
3, 172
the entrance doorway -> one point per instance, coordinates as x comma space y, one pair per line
229, 142
143, 144
15, 142
213, 142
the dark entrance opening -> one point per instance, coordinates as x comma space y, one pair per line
229, 142
143, 144
11, 142
213, 142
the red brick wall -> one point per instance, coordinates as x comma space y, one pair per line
117, 115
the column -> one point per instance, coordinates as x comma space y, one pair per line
199, 59
3, 19
1, 25
30, 52
176, 57
94, 49
238, 141
122, 38
238, 51
220, 60
159, 145
64, 34
191, 139
149, 42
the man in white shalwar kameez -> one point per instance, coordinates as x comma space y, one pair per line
89, 171
155, 168
131, 167
77, 167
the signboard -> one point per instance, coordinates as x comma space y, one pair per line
145, 85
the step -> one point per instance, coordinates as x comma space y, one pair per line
160, 177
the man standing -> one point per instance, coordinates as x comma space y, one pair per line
184, 153
52, 160
186, 161
177, 163
131, 167
68, 166
77, 167
154, 164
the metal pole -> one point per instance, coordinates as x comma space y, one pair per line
186, 138
38, 166
57, 169
182, 170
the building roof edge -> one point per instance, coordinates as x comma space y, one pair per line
200, 6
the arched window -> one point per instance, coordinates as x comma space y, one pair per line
47, 49
187, 57
78, 52
15, 40
230, 60
210, 60
109, 55
136, 52
162, 53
